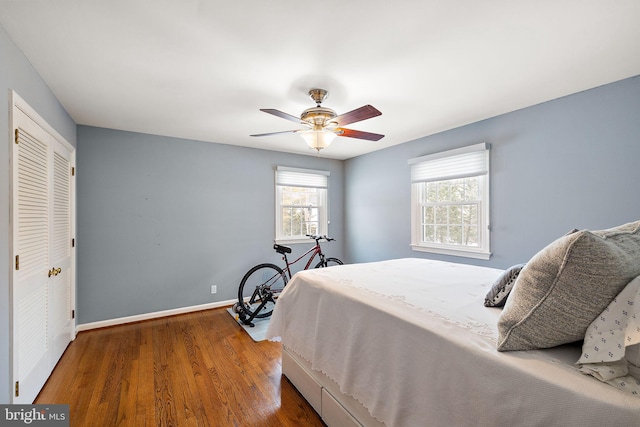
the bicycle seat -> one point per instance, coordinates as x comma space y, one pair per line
282, 249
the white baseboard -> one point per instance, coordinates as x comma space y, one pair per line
154, 315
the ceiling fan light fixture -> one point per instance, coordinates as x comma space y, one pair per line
322, 124
318, 138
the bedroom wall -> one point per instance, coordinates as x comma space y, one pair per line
16, 73
162, 219
570, 162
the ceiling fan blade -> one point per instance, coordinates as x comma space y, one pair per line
363, 113
282, 115
275, 133
358, 134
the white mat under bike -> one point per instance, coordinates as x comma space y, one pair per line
258, 332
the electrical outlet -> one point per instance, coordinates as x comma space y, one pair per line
214, 289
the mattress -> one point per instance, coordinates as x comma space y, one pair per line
411, 340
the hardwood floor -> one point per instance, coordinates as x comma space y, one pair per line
195, 369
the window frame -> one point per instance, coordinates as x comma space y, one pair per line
301, 178
444, 166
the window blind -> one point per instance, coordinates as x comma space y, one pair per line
459, 163
301, 177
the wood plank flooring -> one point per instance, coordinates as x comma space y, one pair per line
195, 369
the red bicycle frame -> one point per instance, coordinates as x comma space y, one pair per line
316, 250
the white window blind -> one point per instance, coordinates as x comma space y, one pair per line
301, 177
453, 164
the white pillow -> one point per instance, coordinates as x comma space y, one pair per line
611, 347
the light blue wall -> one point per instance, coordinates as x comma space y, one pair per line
17, 73
162, 219
571, 162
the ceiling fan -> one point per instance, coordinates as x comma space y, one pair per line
322, 125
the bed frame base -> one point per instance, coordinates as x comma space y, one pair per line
335, 409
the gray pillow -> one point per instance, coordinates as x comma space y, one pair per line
562, 289
499, 292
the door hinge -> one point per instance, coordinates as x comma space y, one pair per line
73, 171
17, 388
17, 262
73, 314
16, 136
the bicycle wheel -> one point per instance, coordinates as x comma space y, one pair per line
263, 283
328, 262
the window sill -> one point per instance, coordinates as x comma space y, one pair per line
454, 252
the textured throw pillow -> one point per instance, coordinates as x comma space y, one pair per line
562, 289
499, 292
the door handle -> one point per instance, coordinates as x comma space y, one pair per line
55, 271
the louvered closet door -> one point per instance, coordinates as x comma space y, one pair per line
60, 319
41, 285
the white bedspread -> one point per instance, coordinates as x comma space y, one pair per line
412, 341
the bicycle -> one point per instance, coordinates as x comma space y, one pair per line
265, 282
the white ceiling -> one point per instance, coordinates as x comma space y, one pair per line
203, 69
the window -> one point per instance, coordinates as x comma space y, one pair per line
450, 202
301, 203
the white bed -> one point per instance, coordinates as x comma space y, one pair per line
408, 342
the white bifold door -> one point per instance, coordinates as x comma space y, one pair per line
42, 285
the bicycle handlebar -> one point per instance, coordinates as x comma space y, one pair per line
318, 238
